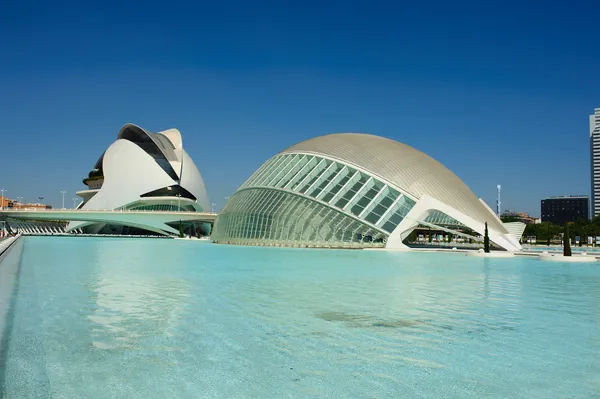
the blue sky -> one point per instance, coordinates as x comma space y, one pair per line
500, 93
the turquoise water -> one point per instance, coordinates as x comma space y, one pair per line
146, 318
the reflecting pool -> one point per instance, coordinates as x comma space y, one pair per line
150, 318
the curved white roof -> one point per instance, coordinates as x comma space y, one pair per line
410, 170
140, 163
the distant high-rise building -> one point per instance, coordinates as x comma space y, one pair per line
498, 202
559, 210
595, 160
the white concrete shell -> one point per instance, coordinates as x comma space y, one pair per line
142, 171
384, 189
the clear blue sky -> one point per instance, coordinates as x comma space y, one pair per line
498, 92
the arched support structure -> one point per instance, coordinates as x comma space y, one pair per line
427, 204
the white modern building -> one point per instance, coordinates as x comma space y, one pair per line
353, 190
595, 161
142, 171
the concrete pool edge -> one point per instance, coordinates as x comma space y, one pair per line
10, 261
6, 244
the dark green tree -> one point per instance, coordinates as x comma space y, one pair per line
566, 241
549, 233
180, 229
486, 240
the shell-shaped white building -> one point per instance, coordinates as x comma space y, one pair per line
143, 171
352, 190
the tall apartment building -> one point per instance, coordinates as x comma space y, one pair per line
595, 160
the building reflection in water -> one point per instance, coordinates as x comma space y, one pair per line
140, 299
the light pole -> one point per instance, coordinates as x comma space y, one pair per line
212, 208
226, 201
20, 201
63, 192
2, 204
178, 202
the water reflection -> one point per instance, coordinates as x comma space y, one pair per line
406, 292
136, 298
354, 320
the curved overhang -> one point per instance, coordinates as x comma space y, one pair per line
160, 144
87, 194
174, 137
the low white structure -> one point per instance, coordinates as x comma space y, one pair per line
150, 221
515, 229
493, 254
353, 190
576, 258
143, 171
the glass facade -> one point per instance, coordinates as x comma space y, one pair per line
161, 207
441, 219
307, 200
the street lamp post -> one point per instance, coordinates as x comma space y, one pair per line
212, 208
178, 202
226, 200
63, 192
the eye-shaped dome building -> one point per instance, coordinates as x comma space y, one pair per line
352, 190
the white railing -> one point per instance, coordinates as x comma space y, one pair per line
16, 210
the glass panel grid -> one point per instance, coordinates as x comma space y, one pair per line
272, 171
301, 162
289, 163
309, 165
258, 173
324, 179
289, 219
270, 217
